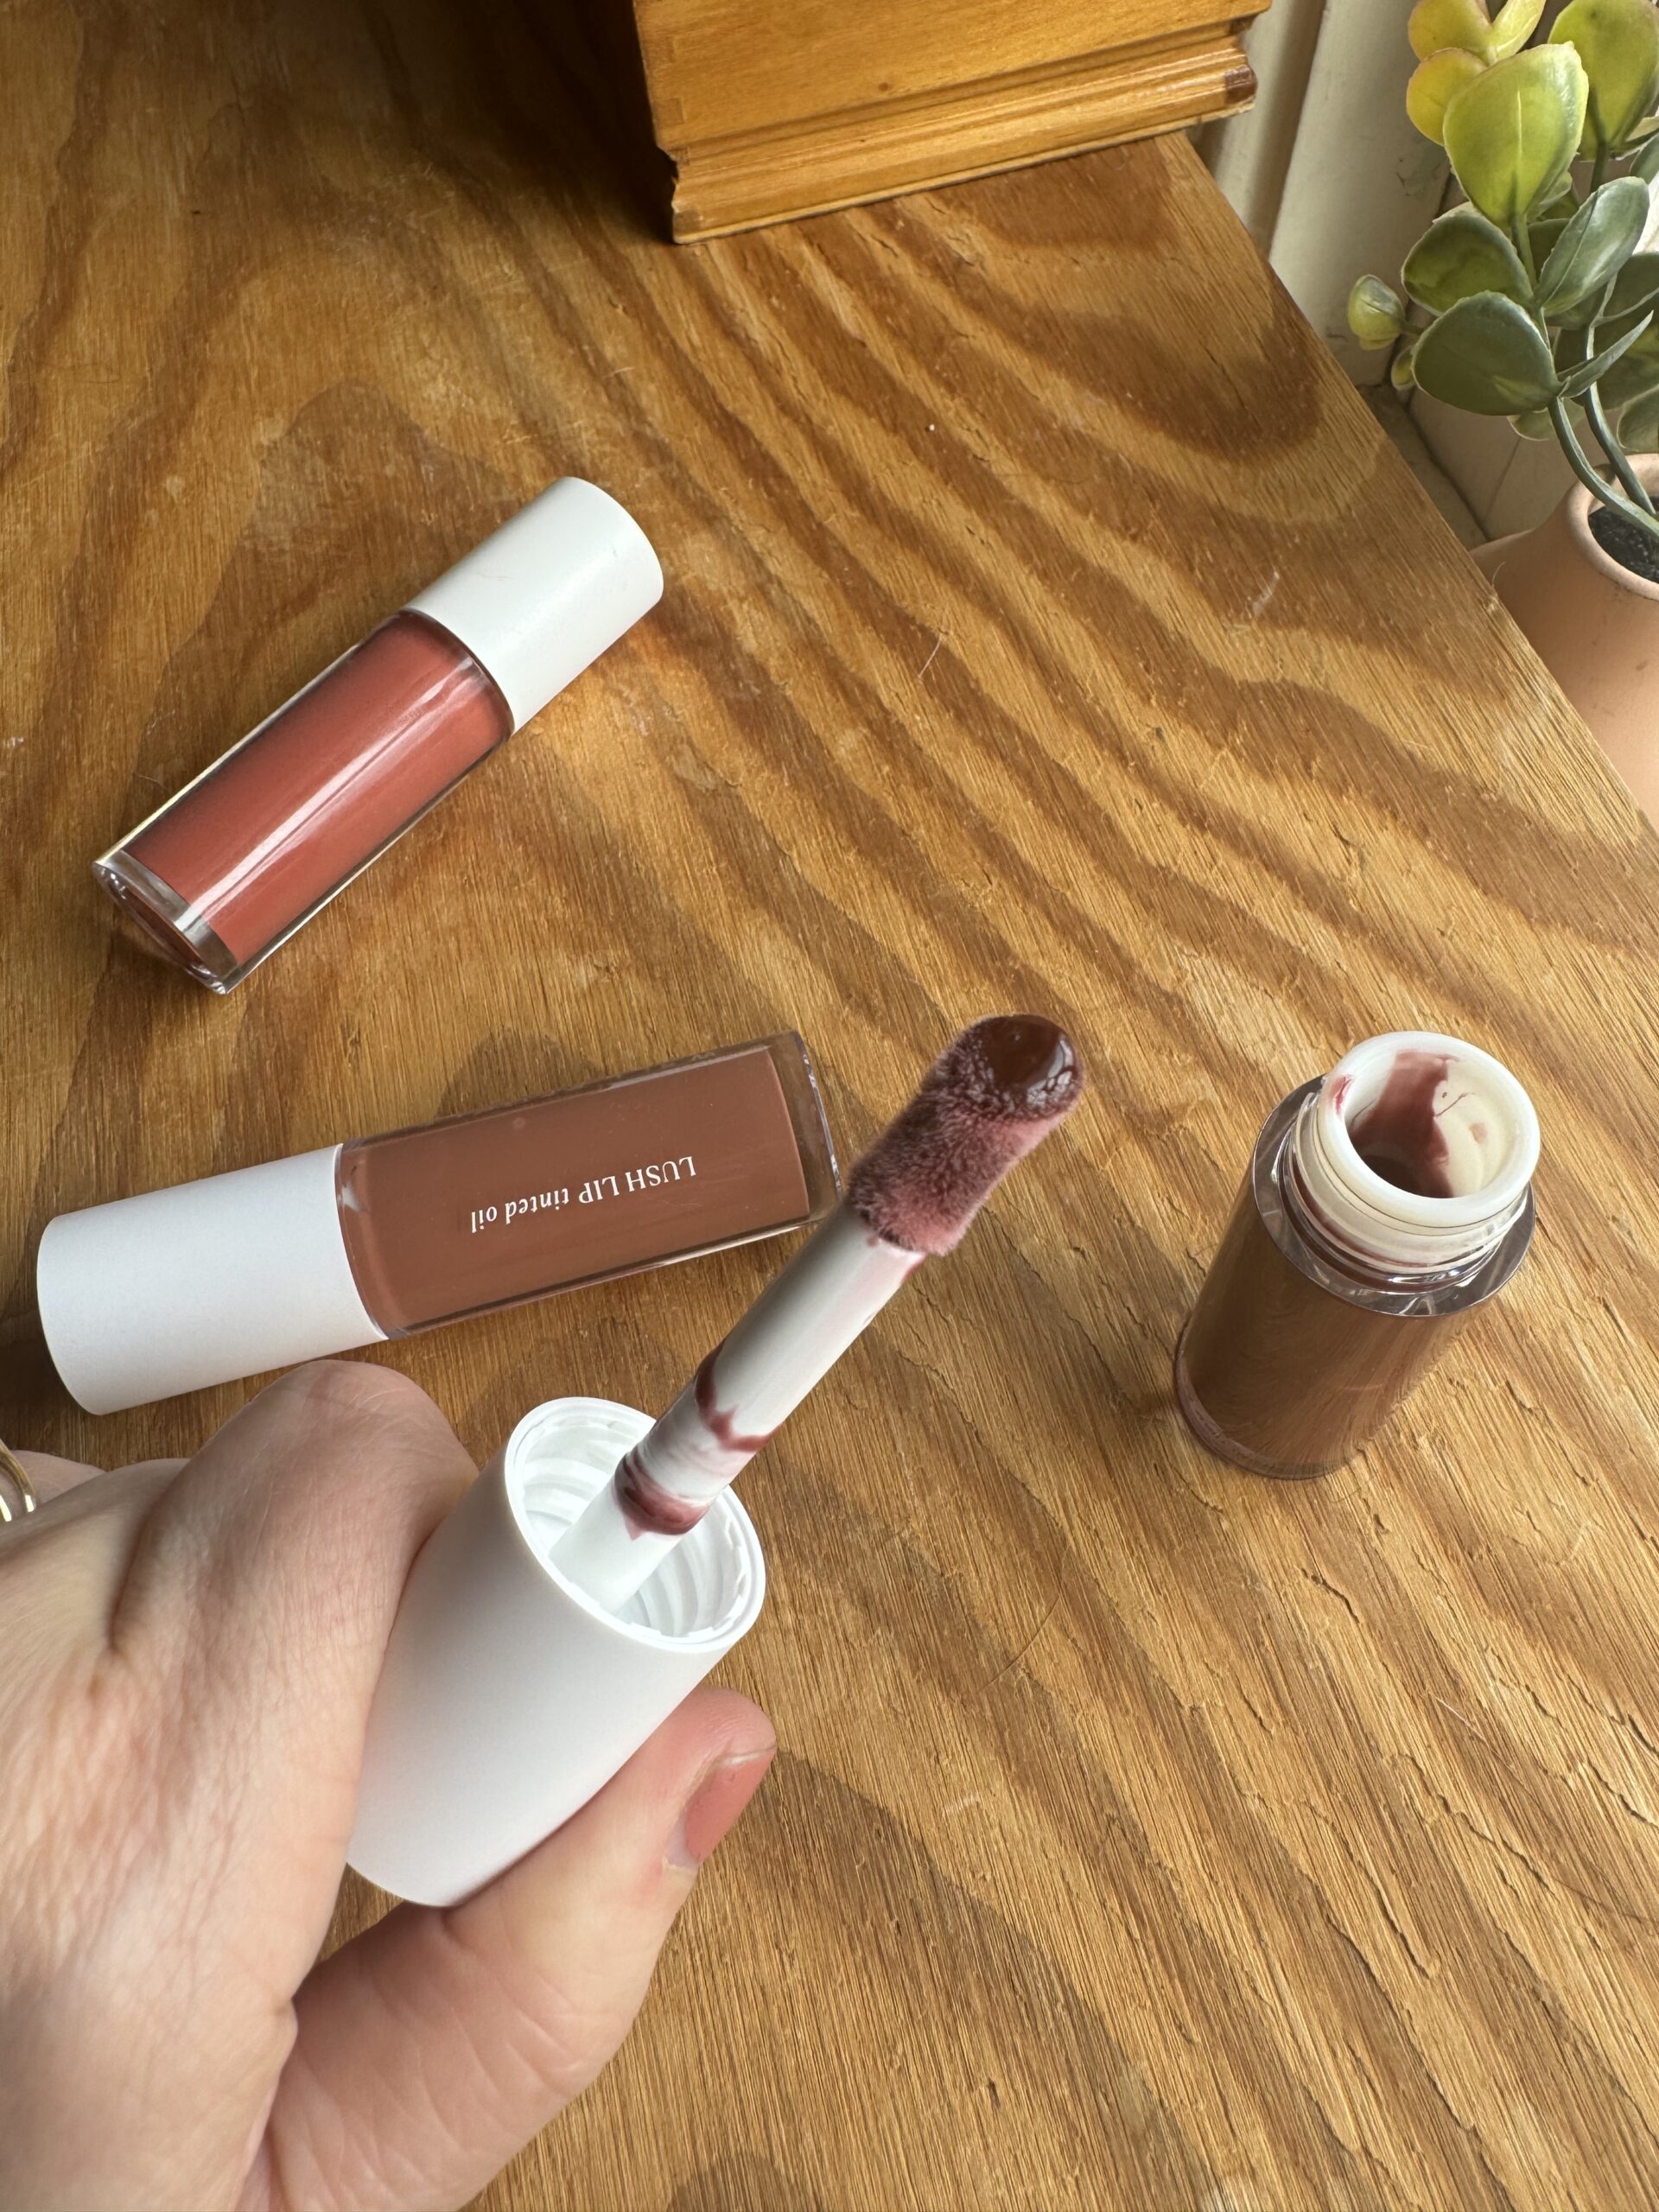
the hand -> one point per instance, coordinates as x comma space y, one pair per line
189, 1653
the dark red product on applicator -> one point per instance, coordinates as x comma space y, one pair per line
990, 1098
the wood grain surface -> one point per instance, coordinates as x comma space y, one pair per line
765, 111
1046, 624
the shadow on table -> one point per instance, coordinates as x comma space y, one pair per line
30, 1392
506, 96
743, 2182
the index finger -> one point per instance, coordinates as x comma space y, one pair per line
283, 1547
251, 1623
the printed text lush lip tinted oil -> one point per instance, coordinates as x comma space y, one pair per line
242, 857
296, 1259
1384, 1204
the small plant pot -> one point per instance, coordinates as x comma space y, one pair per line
1595, 625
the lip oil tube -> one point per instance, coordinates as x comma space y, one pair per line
298, 1259
1382, 1206
241, 858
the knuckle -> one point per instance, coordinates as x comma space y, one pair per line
329, 1391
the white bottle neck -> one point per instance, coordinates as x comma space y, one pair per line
1440, 1113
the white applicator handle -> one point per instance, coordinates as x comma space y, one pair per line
782, 1348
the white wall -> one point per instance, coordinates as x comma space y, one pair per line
1325, 169
1331, 180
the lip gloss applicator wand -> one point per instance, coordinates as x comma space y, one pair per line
601, 1564
991, 1097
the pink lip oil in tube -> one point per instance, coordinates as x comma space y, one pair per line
239, 859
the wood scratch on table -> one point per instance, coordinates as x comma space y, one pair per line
1258, 605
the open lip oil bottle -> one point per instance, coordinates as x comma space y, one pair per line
1384, 1204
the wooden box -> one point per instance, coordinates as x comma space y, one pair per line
768, 110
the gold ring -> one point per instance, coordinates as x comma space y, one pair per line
15, 1475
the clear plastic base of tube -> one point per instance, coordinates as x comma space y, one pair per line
153, 917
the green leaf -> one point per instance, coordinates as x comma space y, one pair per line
1543, 234
1376, 315
1538, 423
1636, 375
1572, 349
1487, 356
1635, 289
1512, 27
1564, 203
1612, 327
1636, 284
1617, 41
1638, 425
1434, 83
1460, 254
1435, 24
1646, 164
1569, 351
1512, 131
1597, 367
1401, 373
1595, 245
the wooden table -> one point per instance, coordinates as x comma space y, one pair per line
1048, 624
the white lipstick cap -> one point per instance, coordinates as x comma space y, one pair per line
508, 1697
543, 596
178, 1289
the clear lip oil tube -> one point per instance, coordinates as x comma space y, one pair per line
241, 858
381, 1237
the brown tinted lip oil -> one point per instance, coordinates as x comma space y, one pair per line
1384, 1204
298, 1259
241, 858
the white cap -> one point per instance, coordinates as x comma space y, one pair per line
508, 1696
543, 597
179, 1289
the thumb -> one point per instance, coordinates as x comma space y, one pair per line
432, 2048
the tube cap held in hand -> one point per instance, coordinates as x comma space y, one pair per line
508, 1697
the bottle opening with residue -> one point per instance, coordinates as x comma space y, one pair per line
1384, 1204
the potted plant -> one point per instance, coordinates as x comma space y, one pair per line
1535, 299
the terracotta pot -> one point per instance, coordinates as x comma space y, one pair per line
1596, 628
